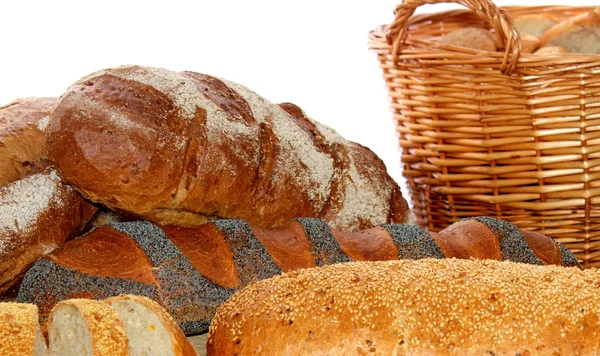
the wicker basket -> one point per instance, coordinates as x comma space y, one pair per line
510, 135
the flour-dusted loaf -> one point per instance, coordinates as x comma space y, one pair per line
83, 327
192, 271
20, 333
149, 328
181, 148
37, 212
426, 307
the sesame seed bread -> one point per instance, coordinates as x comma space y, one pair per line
182, 148
37, 212
192, 271
149, 328
82, 327
20, 333
425, 307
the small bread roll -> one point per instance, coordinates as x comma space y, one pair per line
535, 25
579, 34
529, 43
552, 50
471, 37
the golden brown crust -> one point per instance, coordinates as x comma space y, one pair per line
37, 215
106, 252
544, 248
469, 239
18, 327
207, 251
287, 245
105, 328
433, 307
373, 244
181, 148
22, 124
181, 345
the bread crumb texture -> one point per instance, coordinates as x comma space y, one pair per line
18, 324
104, 325
425, 307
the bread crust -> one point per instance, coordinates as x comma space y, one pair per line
18, 328
103, 323
425, 307
180, 344
191, 271
184, 148
22, 148
578, 34
37, 212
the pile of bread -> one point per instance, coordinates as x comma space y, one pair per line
542, 33
123, 325
210, 189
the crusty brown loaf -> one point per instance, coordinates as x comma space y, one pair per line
37, 212
471, 37
191, 271
426, 307
181, 148
22, 125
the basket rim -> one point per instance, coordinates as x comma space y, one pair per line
378, 36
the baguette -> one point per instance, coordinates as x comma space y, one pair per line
37, 212
82, 327
426, 307
20, 333
183, 148
149, 328
191, 271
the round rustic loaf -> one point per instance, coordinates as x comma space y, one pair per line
182, 148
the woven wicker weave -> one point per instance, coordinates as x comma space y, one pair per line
504, 134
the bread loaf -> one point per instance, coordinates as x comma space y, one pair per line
124, 325
426, 307
535, 24
471, 37
181, 148
20, 333
578, 34
191, 271
37, 212
82, 327
149, 328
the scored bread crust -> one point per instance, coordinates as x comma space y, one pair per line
19, 328
180, 344
182, 148
431, 307
105, 328
22, 125
191, 271
37, 212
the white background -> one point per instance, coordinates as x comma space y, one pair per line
312, 53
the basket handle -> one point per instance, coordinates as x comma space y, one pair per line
506, 33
